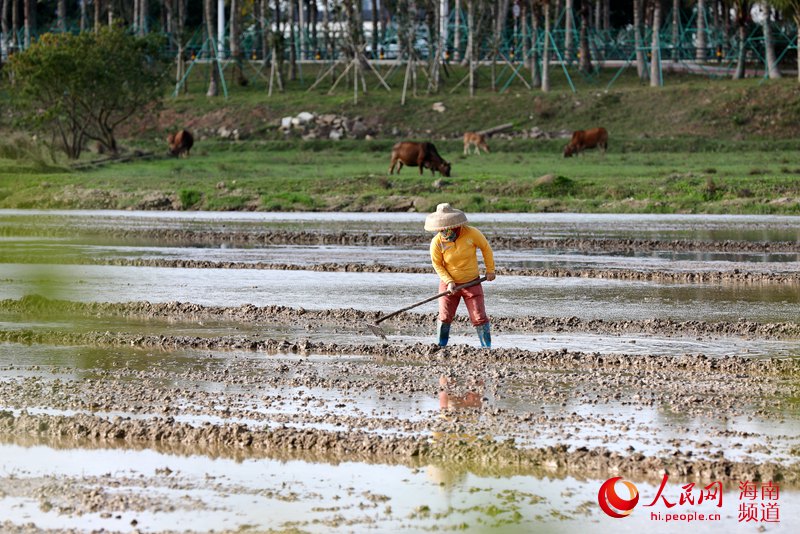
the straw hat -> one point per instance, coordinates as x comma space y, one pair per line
444, 217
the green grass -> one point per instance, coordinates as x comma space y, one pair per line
258, 176
695, 146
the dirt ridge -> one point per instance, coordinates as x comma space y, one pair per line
733, 276
357, 319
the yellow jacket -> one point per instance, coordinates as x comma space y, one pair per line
457, 261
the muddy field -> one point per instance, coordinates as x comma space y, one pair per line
161, 372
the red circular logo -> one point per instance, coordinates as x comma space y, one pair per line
614, 505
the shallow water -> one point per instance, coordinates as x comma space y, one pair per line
651, 429
63, 251
223, 489
544, 225
260, 493
508, 296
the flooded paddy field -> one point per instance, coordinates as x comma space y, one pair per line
156, 377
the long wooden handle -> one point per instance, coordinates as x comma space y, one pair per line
443, 293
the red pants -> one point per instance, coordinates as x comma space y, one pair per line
473, 298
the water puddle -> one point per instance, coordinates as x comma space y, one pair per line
126, 490
507, 296
532, 406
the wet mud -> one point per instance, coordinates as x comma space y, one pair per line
357, 320
195, 237
502, 412
732, 276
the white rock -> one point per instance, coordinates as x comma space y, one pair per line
305, 117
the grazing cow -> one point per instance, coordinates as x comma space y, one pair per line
180, 143
478, 140
422, 155
583, 139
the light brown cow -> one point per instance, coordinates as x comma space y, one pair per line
478, 140
180, 143
583, 139
422, 155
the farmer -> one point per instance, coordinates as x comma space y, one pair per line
455, 259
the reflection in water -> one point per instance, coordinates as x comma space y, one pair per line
546, 225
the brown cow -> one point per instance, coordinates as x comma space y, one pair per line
180, 143
478, 140
422, 155
583, 139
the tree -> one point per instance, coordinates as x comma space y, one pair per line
790, 8
638, 19
655, 47
82, 87
213, 82
741, 13
773, 69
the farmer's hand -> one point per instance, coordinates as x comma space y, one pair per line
451, 286
490, 277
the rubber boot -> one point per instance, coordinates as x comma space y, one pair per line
444, 333
485, 335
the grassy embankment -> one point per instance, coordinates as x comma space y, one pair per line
696, 145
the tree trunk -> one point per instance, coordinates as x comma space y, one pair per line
213, 83
606, 14
236, 45
546, 49
495, 44
374, 7
655, 48
797, 25
144, 11
314, 16
97, 11
676, 27
301, 29
457, 33
276, 72
740, 56
586, 57
471, 45
264, 28
536, 76
638, 9
61, 10
27, 22
4, 28
83, 15
14, 24
326, 24
701, 31
292, 37
568, 29
773, 69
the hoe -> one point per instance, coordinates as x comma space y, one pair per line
378, 331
